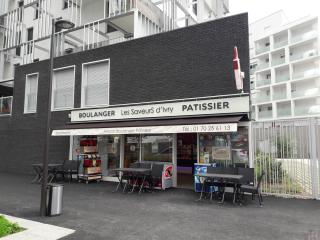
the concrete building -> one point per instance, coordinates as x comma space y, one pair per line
25, 27
285, 67
169, 98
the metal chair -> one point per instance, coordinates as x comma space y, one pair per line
254, 190
248, 176
212, 184
70, 168
155, 175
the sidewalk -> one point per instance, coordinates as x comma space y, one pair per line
97, 213
36, 230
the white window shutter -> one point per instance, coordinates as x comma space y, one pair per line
96, 84
63, 88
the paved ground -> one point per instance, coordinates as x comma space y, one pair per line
97, 213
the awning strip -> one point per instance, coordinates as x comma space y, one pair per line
222, 127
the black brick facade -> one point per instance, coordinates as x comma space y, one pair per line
185, 63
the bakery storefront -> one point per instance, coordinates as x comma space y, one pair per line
184, 134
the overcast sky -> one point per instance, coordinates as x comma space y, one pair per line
257, 9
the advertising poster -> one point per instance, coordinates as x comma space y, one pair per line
167, 180
199, 168
221, 153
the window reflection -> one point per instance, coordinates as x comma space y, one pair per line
157, 148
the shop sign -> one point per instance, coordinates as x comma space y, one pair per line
226, 127
213, 106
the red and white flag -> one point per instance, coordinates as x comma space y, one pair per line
237, 70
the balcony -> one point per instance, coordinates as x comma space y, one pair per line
282, 78
306, 73
262, 98
278, 61
280, 44
304, 36
262, 50
263, 82
307, 110
280, 95
306, 93
283, 111
5, 105
261, 66
265, 115
302, 55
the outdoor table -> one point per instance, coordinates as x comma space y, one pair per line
38, 169
144, 172
234, 177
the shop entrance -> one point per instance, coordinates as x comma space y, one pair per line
186, 158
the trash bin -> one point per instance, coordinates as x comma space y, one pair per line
54, 199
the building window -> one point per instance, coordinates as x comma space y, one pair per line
156, 148
31, 92
65, 4
29, 38
63, 88
30, 34
36, 11
95, 83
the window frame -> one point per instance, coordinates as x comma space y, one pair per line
25, 111
53, 88
84, 78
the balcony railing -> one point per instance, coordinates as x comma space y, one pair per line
306, 73
284, 112
280, 44
264, 98
282, 78
278, 61
265, 114
262, 66
280, 95
301, 111
306, 93
263, 82
304, 36
5, 105
262, 50
303, 55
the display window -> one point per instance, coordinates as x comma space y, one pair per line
105, 148
156, 148
109, 151
224, 149
131, 150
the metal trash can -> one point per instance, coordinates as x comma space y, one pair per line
54, 199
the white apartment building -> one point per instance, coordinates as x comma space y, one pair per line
25, 26
285, 68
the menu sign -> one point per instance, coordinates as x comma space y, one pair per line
211, 106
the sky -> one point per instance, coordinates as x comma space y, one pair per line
293, 9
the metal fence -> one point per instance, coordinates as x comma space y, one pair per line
288, 152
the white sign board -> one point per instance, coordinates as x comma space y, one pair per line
226, 127
213, 106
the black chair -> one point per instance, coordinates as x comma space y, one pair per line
54, 172
248, 176
71, 167
254, 190
135, 165
229, 183
238, 165
155, 175
146, 165
212, 184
